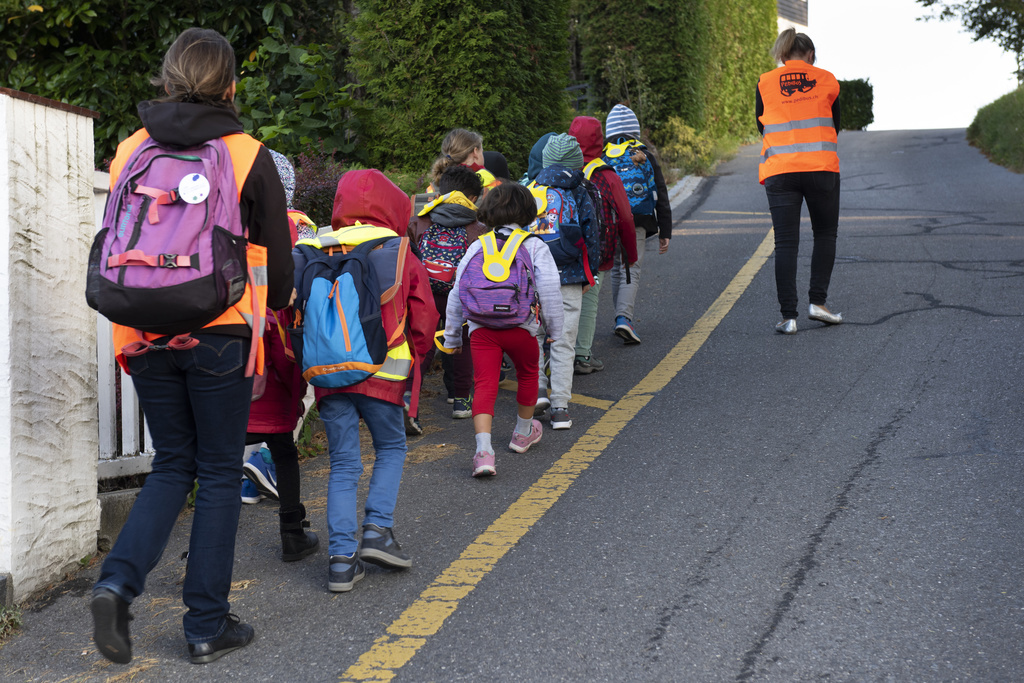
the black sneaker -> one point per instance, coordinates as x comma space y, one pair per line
235, 636
344, 572
382, 549
110, 626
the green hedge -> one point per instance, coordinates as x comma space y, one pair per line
652, 56
742, 34
996, 130
856, 102
427, 66
101, 55
699, 59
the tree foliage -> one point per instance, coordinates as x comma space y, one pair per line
101, 55
998, 20
427, 66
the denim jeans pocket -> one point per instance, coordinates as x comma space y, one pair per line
137, 365
219, 355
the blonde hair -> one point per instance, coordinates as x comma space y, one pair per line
455, 149
790, 44
199, 67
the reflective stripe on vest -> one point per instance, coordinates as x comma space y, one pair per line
800, 148
798, 125
799, 132
397, 364
348, 237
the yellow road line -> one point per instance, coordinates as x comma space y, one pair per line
589, 401
425, 616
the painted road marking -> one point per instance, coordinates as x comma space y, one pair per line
580, 399
425, 616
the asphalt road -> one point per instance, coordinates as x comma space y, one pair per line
730, 504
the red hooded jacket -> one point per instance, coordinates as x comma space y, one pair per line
369, 198
587, 131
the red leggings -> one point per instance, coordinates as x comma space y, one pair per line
488, 346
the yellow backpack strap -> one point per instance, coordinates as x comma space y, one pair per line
614, 151
498, 264
540, 195
595, 164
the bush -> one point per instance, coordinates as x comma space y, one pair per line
698, 59
289, 97
741, 37
998, 130
856, 102
427, 66
101, 55
684, 148
316, 182
663, 49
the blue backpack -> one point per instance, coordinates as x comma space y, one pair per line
339, 336
638, 179
557, 223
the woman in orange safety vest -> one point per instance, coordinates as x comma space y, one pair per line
195, 389
797, 114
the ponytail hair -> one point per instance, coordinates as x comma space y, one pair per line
199, 67
790, 45
455, 149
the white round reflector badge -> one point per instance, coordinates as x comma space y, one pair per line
194, 188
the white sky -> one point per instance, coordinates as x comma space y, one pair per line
925, 74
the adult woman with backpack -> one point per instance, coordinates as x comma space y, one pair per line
193, 385
797, 112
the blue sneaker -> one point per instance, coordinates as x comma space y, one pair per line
624, 329
260, 470
250, 494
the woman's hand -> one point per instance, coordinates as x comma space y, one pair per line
662, 245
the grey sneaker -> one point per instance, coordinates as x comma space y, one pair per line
560, 418
344, 572
380, 547
584, 365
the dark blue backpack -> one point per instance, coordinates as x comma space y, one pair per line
339, 336
638, 179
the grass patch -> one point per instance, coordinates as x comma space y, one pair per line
10, 622
998, 131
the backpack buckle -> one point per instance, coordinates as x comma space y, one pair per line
168, 261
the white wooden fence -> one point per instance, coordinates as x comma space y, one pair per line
128, 450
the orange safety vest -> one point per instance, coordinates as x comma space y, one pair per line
798, 129
250, 309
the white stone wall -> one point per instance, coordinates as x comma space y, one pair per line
49, 512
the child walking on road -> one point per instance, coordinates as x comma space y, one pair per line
505, 208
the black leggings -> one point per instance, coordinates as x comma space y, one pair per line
286, 461
786, 194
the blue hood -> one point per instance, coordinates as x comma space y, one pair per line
560, 176
536, 156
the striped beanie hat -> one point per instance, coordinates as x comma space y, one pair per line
563, 150
621, 121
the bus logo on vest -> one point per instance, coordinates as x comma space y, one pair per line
795, 82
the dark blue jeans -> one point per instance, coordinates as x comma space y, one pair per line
197, 405
786, 194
